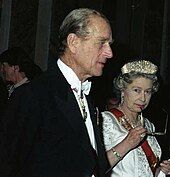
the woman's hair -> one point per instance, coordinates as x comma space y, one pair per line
77, 22
125, 78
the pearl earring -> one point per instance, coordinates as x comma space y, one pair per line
122, 98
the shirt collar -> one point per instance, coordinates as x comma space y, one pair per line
23, 81
73, 80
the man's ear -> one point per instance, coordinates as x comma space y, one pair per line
72, 42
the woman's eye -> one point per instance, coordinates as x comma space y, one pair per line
137, 90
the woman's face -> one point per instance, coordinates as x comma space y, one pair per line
137, 94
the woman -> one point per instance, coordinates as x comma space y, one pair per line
131, 151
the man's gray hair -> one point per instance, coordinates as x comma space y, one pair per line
76, 22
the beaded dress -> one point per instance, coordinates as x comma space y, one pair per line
134, 163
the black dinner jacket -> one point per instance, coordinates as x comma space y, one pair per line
50, 138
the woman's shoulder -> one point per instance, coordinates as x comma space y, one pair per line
114, 113
108, 114
109, 118
148, 124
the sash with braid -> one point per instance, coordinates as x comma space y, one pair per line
152, 160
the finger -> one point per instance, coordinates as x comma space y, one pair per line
140, 129
167, 172
165, 168
142, 135
165, 163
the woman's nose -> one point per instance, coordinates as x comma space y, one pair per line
143, 97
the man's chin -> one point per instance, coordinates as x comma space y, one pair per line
99, 73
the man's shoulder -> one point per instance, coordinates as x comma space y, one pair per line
50, 80
20, 90
48, 76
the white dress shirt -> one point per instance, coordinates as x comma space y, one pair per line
77, 86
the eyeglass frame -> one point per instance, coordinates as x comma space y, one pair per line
165, 129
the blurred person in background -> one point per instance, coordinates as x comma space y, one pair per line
17, 68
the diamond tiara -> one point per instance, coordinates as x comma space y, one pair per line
140, 66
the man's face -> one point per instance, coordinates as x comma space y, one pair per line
93, 51
7, 71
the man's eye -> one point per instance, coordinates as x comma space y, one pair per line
102, 42
149, 92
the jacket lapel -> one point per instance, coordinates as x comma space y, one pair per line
94, 117
66, 101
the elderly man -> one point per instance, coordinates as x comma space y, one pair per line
57, 133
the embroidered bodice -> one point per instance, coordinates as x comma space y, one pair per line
135, 163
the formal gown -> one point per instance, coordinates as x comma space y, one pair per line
134, 163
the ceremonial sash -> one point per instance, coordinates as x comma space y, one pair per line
152, 160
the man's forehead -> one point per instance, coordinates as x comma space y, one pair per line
4, 63
100, 29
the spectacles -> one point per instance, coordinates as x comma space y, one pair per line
165, 129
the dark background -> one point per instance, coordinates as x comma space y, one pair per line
141, 29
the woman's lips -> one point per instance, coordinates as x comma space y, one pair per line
141, 106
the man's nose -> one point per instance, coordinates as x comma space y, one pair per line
108, 52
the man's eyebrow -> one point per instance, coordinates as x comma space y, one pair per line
111, 41
102, 39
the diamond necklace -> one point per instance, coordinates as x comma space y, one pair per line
134, 124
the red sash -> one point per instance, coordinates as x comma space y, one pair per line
153, 161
